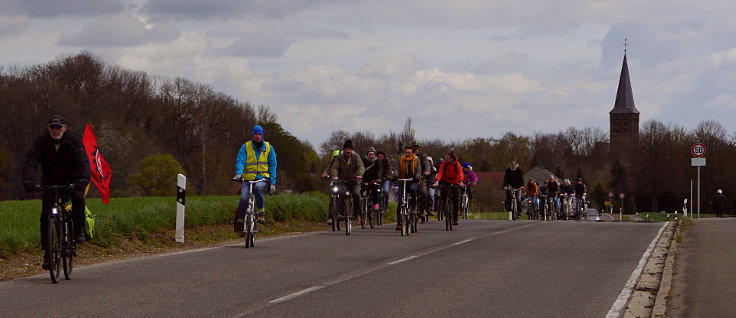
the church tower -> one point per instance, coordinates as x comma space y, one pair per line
624, 116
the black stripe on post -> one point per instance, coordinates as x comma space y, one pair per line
180, 195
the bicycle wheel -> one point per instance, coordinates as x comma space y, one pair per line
363, 211
372, 216
53, 243
69, 248
406, 223
334, 211
348, 214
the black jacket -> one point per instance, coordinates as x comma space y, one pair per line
63, 166
373, 170
513, 177
720, 204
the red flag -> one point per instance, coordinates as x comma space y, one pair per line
101, 172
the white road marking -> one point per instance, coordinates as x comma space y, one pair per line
402, 260
463, 242
297, 294
619, 307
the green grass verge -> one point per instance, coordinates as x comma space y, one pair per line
139, 218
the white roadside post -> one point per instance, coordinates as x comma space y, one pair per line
698, 151
181, 186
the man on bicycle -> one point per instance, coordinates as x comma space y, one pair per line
409, 168
256, 160
552, 189
63, 162
567, 192
531, 191
450, 172
349, 168
372, 175
470, 180
386, 176
424, 178
580, 194
513, 177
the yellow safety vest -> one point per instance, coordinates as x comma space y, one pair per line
256, 165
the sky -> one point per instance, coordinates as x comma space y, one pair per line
460, 69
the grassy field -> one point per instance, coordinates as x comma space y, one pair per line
140, 218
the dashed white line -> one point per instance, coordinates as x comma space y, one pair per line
296, 294
402, 260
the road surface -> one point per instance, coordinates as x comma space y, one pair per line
483, 268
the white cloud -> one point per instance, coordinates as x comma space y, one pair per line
118, 31
13, 26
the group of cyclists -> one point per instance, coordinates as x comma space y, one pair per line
548, 200
375, 175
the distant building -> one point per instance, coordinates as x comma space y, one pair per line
624, 116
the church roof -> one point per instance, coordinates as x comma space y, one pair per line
624, 96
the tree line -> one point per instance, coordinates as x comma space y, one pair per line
136, 115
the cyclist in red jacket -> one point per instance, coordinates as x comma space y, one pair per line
450, 173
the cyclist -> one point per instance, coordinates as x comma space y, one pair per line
349, 168
372, 175
532, 191
567, 190
471, 179
256, 160
386, 177
430, 189
63, 161
424, 178
553, 188
513, 177
409, 168
580, 193
326, 172
450, 172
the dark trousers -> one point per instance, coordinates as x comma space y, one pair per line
453, 194
77, 199
373, 193
423, 195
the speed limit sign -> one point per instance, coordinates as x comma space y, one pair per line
698, 150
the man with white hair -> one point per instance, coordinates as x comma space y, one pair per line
720, 204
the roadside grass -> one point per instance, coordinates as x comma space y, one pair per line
147, 219
662, 216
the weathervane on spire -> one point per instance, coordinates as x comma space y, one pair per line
626, 44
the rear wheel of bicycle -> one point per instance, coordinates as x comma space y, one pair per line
53, 243
69, 248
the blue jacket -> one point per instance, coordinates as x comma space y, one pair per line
240, 161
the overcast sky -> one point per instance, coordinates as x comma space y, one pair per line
459, 68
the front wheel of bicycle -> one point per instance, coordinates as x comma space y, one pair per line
69, 248
53, 243
248, 230
372, 216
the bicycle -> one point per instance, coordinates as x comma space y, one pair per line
566, 206
580, 208
250, 227
515, 202
366, 208
338, 196
60, 244
449, 201
464, 203
404, 212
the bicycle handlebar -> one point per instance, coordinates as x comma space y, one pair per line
67, 187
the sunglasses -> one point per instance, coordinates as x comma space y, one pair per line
55, 126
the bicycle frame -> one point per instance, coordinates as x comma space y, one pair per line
251, 225
404, 209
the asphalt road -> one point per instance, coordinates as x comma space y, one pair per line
484, 268
706, 270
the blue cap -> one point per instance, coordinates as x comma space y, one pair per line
257, 129
466, 165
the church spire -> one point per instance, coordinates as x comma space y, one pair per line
624, 96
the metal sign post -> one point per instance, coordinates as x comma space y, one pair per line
698, 150
621, 210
